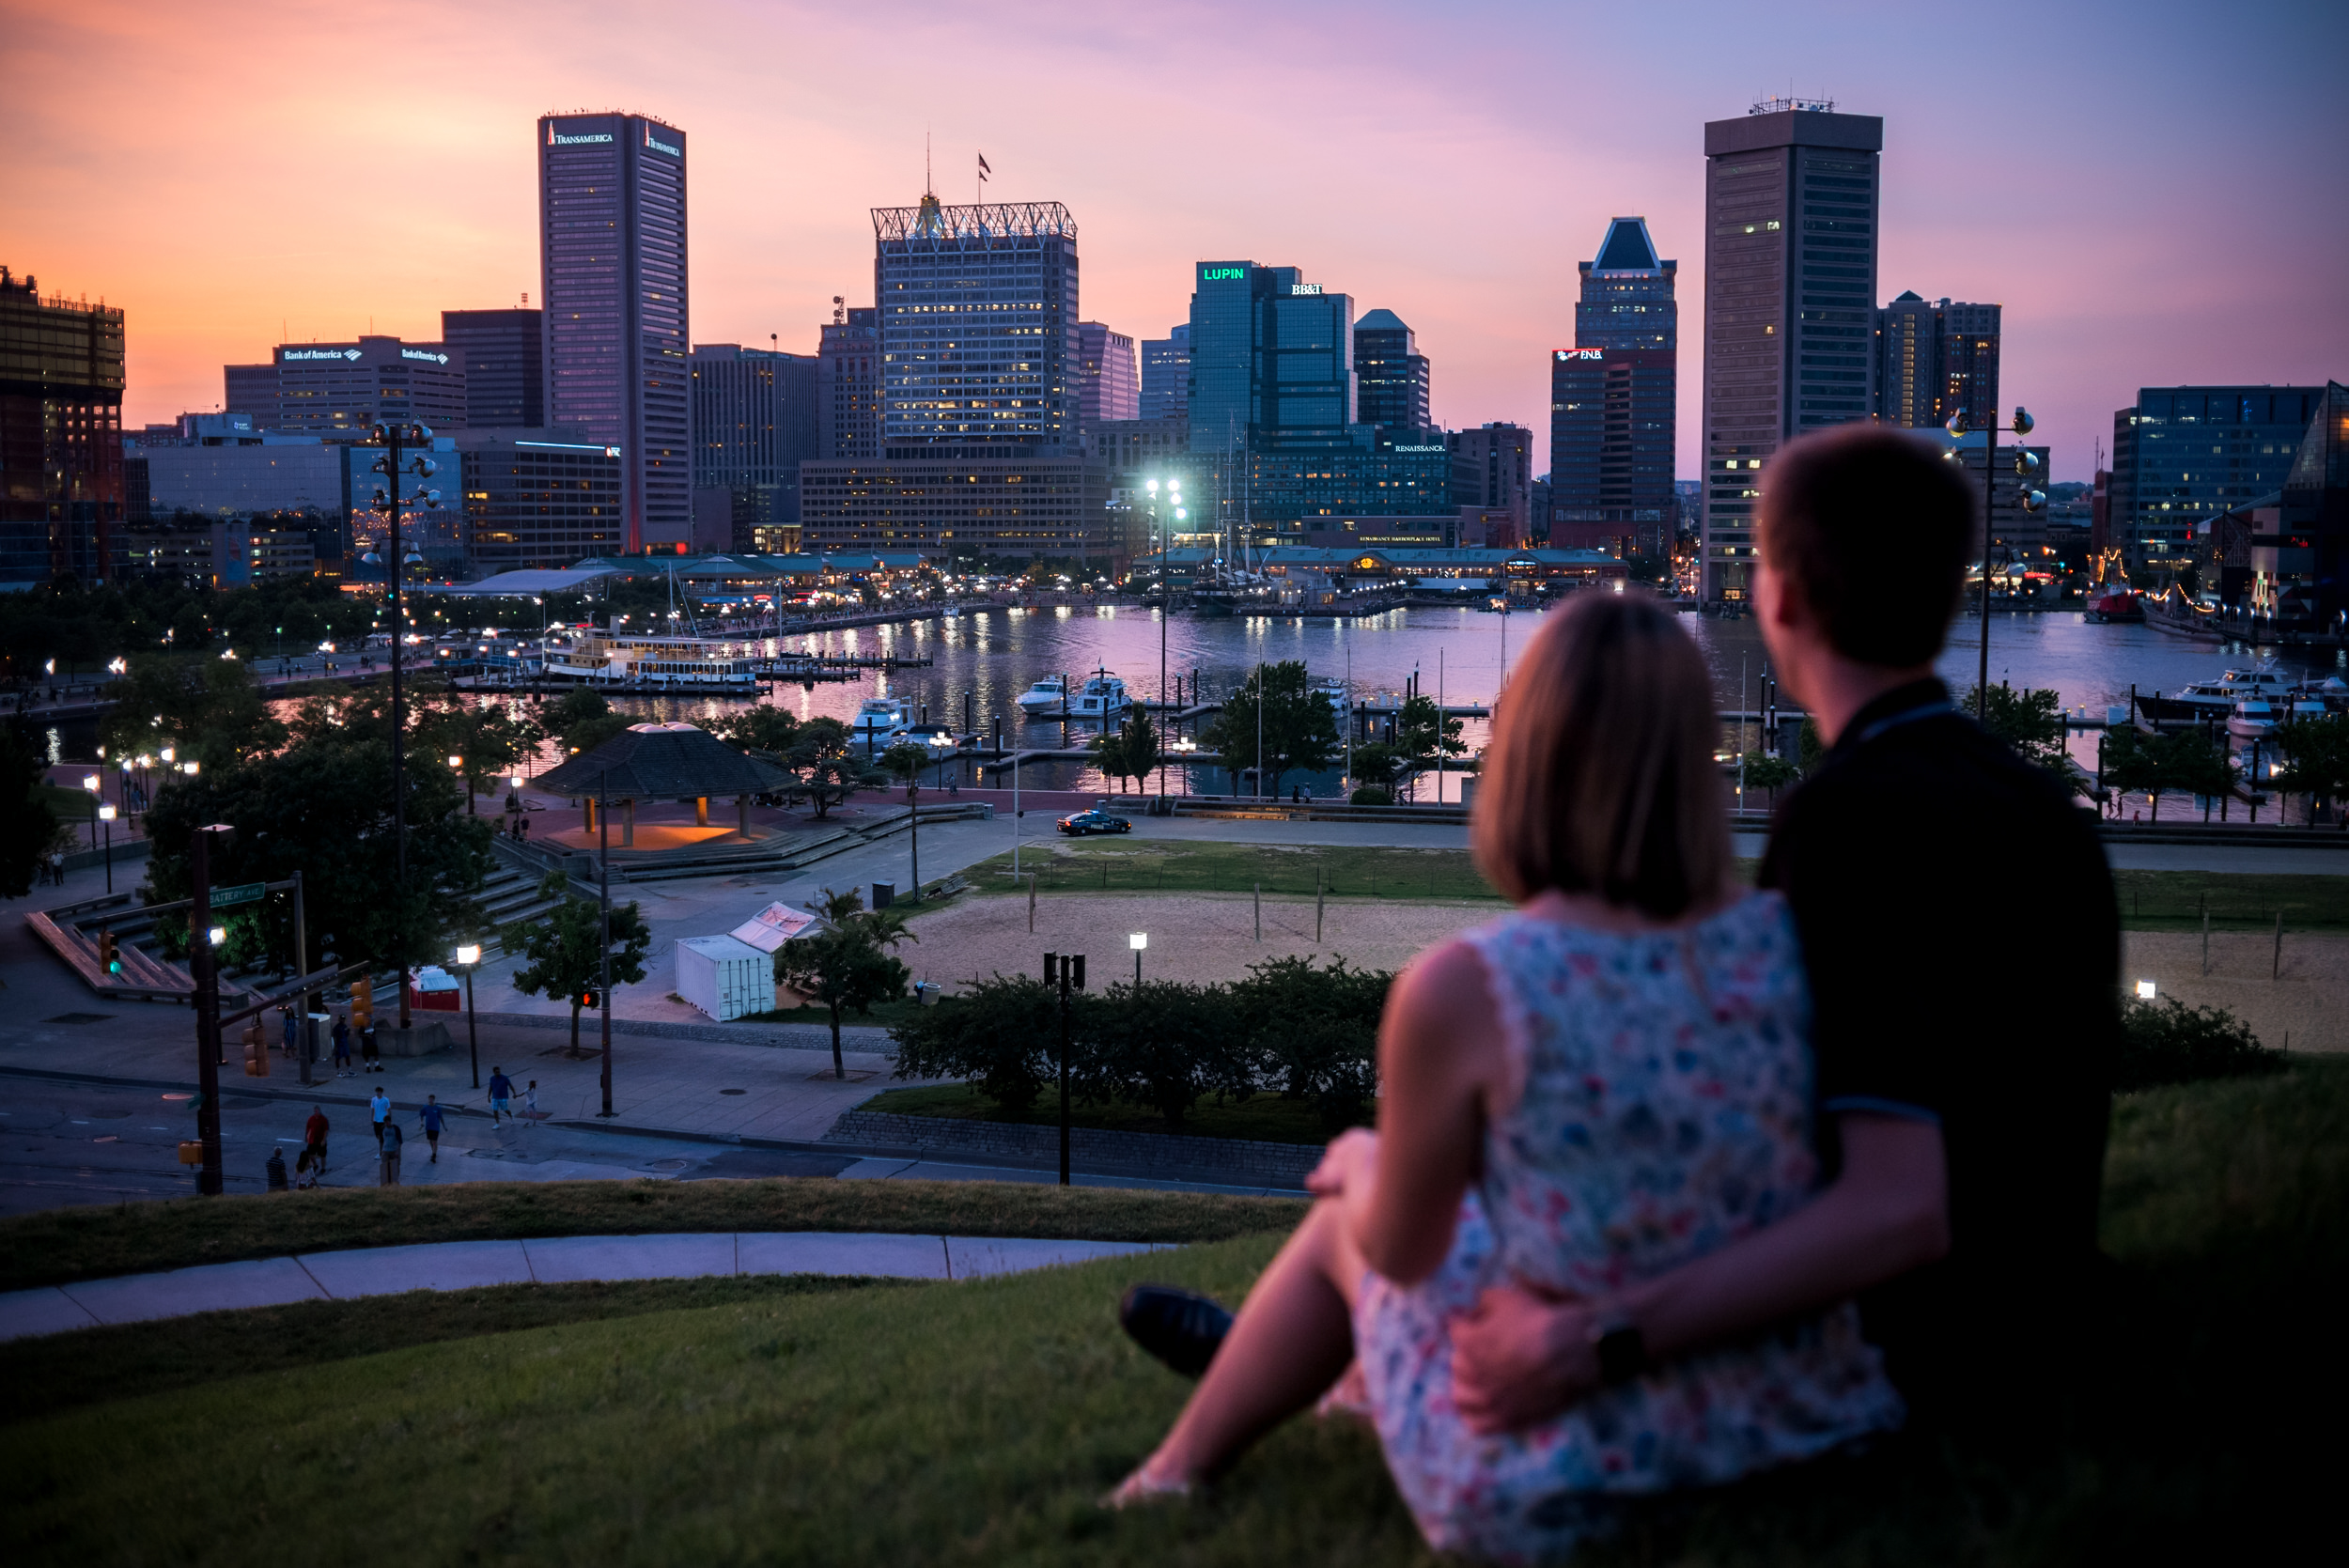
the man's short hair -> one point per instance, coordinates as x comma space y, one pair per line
1874, 528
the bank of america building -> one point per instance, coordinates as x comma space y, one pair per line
981, 453
612, 238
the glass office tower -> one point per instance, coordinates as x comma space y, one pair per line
503, 355
1626, 300
754, 421
612, 250
1166, 375
61, 380
1790, 277
1272, 390
1390, 373
2185, 452
978, 329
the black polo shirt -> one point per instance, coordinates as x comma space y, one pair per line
1963, 942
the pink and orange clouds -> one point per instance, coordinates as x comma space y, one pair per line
2153, 192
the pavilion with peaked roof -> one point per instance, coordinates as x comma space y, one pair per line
662, 762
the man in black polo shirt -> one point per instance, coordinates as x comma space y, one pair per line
1959, 927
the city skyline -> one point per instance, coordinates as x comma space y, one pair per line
2104, 275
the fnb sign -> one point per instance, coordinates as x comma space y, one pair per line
1582, 354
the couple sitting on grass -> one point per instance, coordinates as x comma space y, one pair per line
1673, 1181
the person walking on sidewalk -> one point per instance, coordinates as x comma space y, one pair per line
342, 1046
433, 1118
381, 1104
530, 1101
387, 1141
501, 1095
370, 1059
314, 1138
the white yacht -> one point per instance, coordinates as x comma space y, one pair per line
877, 718
2216, 699
2253, 718
1102, 696
1045, 696
1341, 702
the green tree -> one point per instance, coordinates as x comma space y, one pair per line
2315, 753
1163, 1045
1770, 771
323, 805
2031, 721
566, 950
1420, 730
1809, 746
763, 728
2168, 1042
26, 823
2196, 763
847, 963
209, 709
1315, 1031
1000, 1035
2132, 765
491, 737
1130, 750
825, 768
582, 720
1298, 726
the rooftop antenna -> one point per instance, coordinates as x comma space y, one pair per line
929, 186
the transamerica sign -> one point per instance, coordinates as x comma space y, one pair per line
556, 138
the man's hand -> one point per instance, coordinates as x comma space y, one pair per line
1518, 1358
1346, 1166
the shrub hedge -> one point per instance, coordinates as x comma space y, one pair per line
1311, 1031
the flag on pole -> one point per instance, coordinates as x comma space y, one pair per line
984, 170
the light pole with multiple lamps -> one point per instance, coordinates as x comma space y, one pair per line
393, 437
2026, 461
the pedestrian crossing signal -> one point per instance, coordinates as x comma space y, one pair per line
109, 953
589, 998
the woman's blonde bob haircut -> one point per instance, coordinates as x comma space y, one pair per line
1600, 778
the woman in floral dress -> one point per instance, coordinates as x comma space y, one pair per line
1595, 1088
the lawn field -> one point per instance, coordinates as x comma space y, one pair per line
2149, 900
58, 1245
775, 1420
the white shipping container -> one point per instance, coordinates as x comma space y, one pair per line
723, 977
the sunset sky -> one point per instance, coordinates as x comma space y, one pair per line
2155, 192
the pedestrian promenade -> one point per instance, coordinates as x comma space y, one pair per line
345, 1275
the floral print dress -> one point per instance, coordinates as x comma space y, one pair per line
1665, 1111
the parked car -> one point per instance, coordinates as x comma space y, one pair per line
1078, 824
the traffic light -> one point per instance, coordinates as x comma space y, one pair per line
109, 955
588, 998
362, 1003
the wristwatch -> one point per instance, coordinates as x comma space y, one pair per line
1622, 1353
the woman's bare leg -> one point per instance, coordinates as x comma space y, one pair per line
1293, 1336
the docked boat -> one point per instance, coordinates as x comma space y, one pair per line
2216, 699
2253, 718
1045, 696
1340, 700
2113, 601
632, 663
1102, 696
878, 719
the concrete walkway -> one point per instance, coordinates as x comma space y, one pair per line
343, 1275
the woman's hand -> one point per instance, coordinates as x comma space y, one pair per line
1519, 1357
1346, 1166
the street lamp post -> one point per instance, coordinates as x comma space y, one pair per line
469, 959
603, 879
1138, 940
2025, 461
1065, 971
97, 795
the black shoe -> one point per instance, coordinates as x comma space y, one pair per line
1178, 1327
